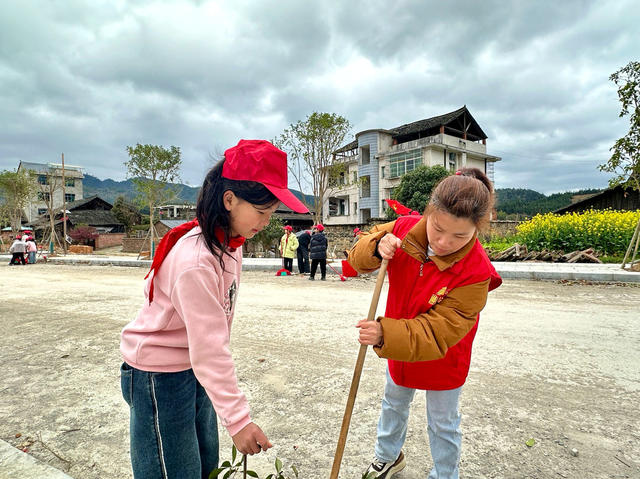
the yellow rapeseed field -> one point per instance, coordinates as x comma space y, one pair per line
606, 231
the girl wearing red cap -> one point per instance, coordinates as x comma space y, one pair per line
178, 373
439, 277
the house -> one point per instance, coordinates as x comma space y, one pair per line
92, 211
616, 198
49, 177
373, 164
163, 226
176, 211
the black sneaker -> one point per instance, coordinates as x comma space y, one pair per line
384, 470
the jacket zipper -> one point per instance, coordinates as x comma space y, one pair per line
425, 255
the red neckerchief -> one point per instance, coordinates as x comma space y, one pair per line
171, 238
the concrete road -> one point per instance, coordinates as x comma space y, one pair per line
553, 362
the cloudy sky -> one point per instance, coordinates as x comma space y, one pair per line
90, 78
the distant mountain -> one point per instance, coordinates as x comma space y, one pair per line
529, 202
109, 190
509, 200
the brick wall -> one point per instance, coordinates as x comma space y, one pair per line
342, 236
109, 239
133, 245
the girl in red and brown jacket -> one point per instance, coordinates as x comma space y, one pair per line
439, 277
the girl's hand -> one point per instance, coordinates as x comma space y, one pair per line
370, 332
387, 245
251, 440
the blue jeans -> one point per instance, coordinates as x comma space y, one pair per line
443, 418
173, 426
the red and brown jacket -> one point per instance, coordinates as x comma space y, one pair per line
433, 304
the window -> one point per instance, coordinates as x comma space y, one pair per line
453, 162
70, 182
355, 207
382, 171
337, 207
43, 179
365, 187
42, 211
69, 197
383, 206
365, 155
43, 196
401, 163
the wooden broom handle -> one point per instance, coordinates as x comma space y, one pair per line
357, 372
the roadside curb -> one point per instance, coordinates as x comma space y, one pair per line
15, 463
508, 270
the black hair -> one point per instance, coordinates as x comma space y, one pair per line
212, 214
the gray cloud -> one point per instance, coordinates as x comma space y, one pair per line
90, 80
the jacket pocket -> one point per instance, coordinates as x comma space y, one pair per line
126, 383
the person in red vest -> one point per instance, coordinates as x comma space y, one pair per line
439, 277
178, 371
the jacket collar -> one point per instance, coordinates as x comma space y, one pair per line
416, 241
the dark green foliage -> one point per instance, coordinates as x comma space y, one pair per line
270, 235
126, 212
415, 187
625, 160
529, 203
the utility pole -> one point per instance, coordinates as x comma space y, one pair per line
64, 210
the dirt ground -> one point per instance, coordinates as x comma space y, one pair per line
553, 362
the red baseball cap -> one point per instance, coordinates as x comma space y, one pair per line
288, 228
260, 161
319, 227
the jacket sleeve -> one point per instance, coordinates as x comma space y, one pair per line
362, 254
195, 298
429, 335
294, 242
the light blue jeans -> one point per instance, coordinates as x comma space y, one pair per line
443, 418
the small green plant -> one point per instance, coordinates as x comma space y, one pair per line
233, 467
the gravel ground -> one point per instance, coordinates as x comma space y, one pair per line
554, 362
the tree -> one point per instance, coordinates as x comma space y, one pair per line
16, 190
83, 234
415, 187
126, 212
310, 145
151, 169
269, 235
48, 183
625, 160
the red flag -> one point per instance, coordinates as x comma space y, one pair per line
400, 209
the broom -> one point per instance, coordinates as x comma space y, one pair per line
357, 372
342, 277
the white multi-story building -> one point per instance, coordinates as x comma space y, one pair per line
375, 161
49, 178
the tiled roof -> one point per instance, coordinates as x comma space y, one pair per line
424, 126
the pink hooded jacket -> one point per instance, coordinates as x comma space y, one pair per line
188, 325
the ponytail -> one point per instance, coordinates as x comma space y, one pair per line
467, 194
